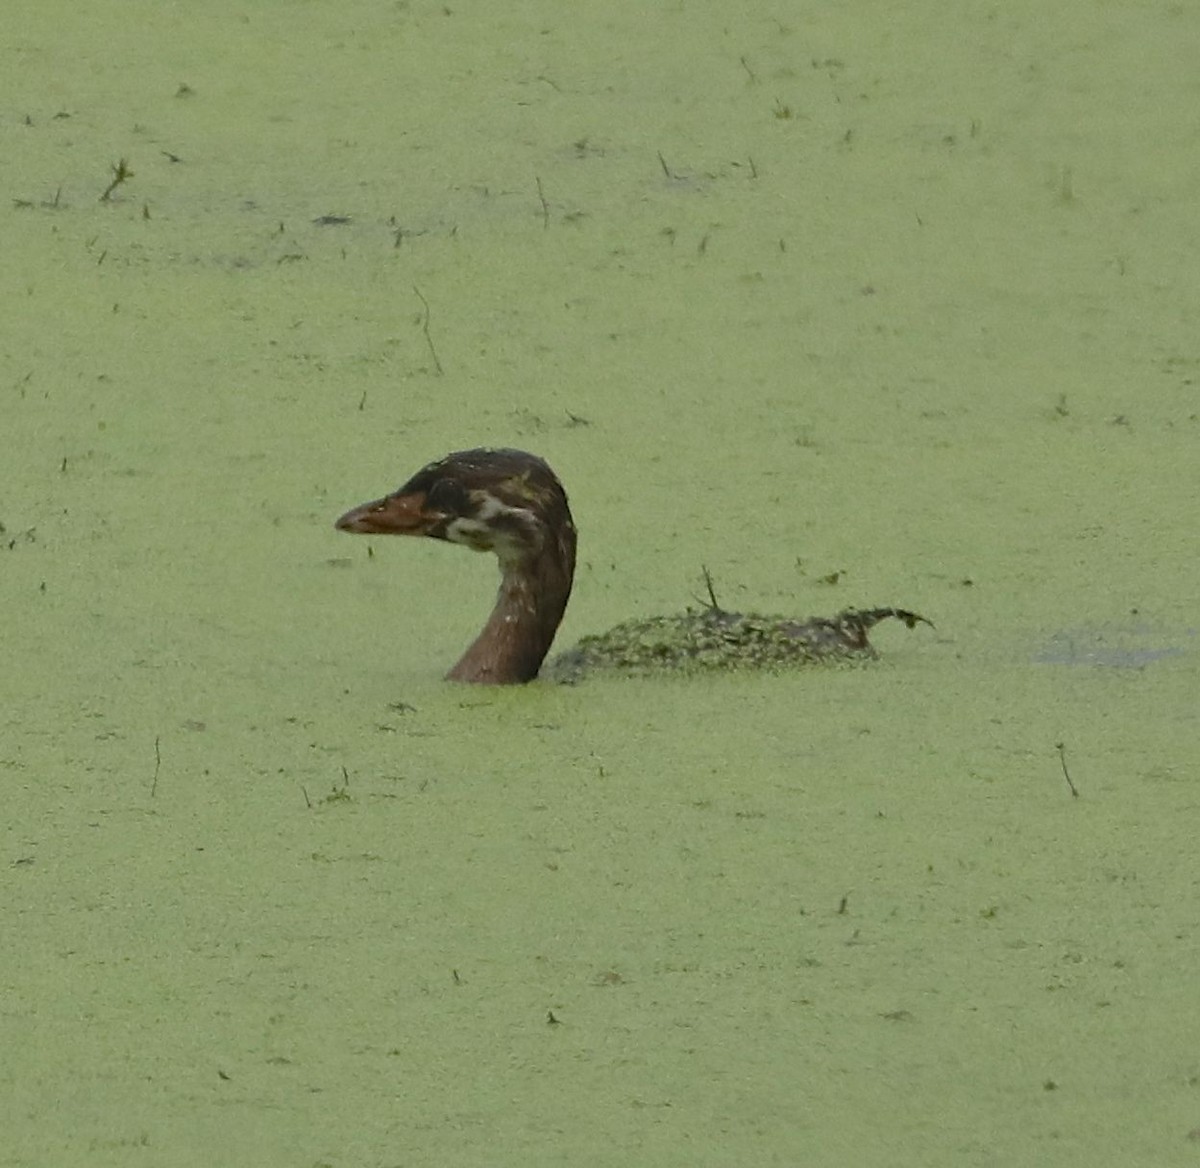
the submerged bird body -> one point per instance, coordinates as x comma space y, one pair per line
511, 503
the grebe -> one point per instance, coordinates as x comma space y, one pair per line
511, 503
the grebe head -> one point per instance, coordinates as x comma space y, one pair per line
503, 501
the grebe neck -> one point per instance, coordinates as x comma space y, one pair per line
534, 590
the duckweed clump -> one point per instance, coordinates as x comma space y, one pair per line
713, 639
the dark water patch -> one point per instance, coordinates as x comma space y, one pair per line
1133, 647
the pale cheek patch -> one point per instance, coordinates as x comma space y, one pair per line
471, 533
488, 506
494, 527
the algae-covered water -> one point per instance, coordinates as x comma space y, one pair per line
848, 305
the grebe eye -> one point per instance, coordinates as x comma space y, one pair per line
448, 496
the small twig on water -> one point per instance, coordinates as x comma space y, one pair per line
1062, 758
425, 329
157, 765
121, 173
